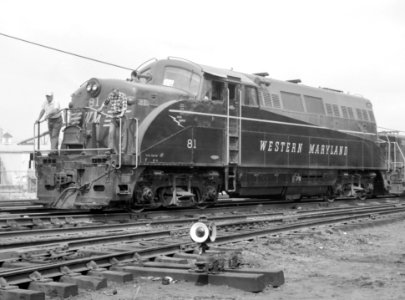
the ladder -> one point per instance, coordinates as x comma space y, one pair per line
233, 132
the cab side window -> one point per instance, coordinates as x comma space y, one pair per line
218, 90
250, 96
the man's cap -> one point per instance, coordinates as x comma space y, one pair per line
49, 93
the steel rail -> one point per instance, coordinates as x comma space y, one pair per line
26, 219
322, 221
108, 228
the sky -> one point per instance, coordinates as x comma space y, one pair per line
354, 46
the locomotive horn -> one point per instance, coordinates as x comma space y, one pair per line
134, 74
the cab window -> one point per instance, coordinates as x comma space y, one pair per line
182, 79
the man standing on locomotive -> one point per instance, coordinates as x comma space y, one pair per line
51, 109
118, 103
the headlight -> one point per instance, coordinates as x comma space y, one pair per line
93, 87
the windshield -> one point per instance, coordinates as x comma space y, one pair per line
182, 79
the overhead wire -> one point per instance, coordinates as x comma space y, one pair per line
65, 52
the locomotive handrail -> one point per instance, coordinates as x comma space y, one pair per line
120, 135
38, 137
100, 112
145, 62
136, 142
120, 145
84, 149
120, 132
400, 164
393, 164
37, 133
227, 127
388, 153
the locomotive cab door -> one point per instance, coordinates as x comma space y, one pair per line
228, 90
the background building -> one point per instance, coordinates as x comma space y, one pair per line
17, 174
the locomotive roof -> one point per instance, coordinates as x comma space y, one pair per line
253, 79
224, 73
343, 98
328, 95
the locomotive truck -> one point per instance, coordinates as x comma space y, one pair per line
190, 132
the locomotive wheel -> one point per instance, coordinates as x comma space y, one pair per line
165, 196
361, 196
329, 196
198, 199
144, 197
329, 199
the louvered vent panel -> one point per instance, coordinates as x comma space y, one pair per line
350, 111
266, 97
276, 100
329, 109
371, 116
365, 115
359, 114
344, 112
336, 112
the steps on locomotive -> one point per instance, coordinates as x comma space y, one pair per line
396, 181
230, 179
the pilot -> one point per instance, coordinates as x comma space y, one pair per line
52, 111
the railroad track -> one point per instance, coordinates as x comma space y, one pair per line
83, 254
19, 206
46, 218
70, 231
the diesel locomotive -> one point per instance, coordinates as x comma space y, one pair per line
188, 132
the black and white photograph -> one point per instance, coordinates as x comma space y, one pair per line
202, 150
